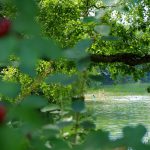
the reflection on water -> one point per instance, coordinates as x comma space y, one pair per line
114, 113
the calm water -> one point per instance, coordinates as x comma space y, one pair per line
114, 113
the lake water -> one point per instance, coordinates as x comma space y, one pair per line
112, 113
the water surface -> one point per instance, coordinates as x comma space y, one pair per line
115, 112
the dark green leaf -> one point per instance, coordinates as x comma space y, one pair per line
83, 64
25, 20
61, 79
58, 144
110, 38
78, 106
34, 102
9, 89
17, 142
79, 50
29, 59
87, 125
134, 135
96, 140
90, 19
7, 46
30, 117
96, 77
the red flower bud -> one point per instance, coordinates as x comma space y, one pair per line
2, 113
4, 26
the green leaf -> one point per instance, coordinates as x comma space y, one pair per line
110, 38
33, 49
50, 108
29, 116
87, 124
108, 2
25, 20
59, 144
134, 135
9, 89
31, 8
34, 102
41, 47
51, 49
61, 79
17, 142
96, 140
50, 127
97, 78
64, 123
7, 46
50, 130
90, 19
23, 24
79, 50
28, 62
100, 13
78, 105
83, 63
103, 29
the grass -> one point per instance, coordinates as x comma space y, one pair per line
122, 89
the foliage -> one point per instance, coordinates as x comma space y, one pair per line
31, 122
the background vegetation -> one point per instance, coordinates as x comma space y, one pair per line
49, 50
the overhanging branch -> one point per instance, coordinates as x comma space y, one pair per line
126, 58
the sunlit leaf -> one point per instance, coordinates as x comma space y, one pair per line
49, 108
50, 127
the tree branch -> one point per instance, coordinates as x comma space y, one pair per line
126, 58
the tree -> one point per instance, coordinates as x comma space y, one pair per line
119, 32
82, 37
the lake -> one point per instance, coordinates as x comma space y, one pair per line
112, 113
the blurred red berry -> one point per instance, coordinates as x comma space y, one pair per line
4, 26
2, 113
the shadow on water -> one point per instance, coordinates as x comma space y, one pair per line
116, 112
